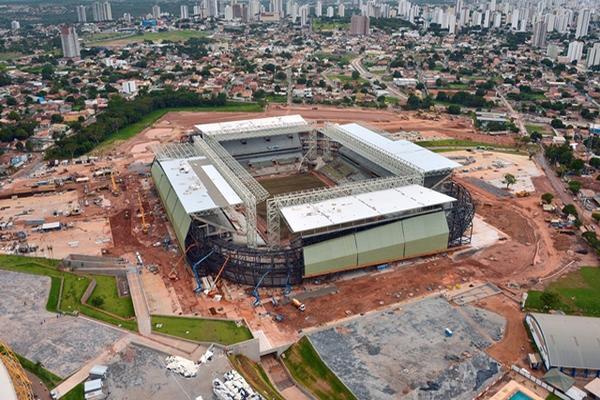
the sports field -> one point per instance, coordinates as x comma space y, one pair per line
119, 39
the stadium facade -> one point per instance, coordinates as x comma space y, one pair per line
387, 200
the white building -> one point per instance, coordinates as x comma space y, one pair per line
15, 25
69, 41
129, 87
593, 57
184, 12
341, 10
319, 9
81, 15
101, 11
553, 51
329, 12
583, 24
575, 51
156, 11
539, 34
304, 10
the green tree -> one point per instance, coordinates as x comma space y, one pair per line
595, 162
56, 118
355, 75
557, 124
550, 300
97, 301
574, 186
47, 72
547, 198
570, 209
453, 109
509, 179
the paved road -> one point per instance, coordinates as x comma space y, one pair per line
140, 305
357, 65
513, 114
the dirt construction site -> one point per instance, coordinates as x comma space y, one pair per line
107, 205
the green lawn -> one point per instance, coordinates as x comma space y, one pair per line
579, 293
75, 394
118, 39
73, 288
276, 98
106, 289
48, 378
457, 143
346, 78
202, 330
149, 119
256, 377
537, 128
307, 368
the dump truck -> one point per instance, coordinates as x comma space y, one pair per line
299, 305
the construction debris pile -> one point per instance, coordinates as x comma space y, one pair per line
234, 387
188, 368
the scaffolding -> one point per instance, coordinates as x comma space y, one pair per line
20, 381
376, 154
248, 198
275, 204
255, 129
175, 151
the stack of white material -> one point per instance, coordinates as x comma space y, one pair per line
234, 387
182, 366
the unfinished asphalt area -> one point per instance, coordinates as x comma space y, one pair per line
140, 373
405, 354
63, 344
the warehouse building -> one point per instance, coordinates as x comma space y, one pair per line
571, 343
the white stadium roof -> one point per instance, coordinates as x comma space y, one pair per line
199, 185
7, 390
248, 126
341, 210
403, 150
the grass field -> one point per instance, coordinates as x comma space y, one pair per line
256, 376
48, 378
76, 393
117, 39
308, 369
106, 288
202, 330
148, 120
458, 143
579, 293
343, 78
74, 287
538, 128
286, 184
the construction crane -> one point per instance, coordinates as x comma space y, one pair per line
220, 272
255, 293
115, 189
20, 381
143, 215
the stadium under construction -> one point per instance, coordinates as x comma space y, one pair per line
384, 200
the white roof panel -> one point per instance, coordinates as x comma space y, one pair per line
249, 125
341, 210
199, 189
7, 390
404, 150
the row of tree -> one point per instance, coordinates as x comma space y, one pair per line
121, 113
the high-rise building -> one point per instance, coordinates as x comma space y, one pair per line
593, 57
101, 11
253, 10
304, 10
213, 8
583, 24
497, 20
156, 11
184, 12
359, 25
69, 42
15, 25
127, 17
341, 10
575, 51
319, 9
81, 15
330, 12
539, 34
228, 13
277, 7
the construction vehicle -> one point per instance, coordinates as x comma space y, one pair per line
212, 291
145, 226
298, 304
18, 377
522, 193
115, 189
255, 293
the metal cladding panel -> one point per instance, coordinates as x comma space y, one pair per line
181, 222
330, 256
425, 234
381, 244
